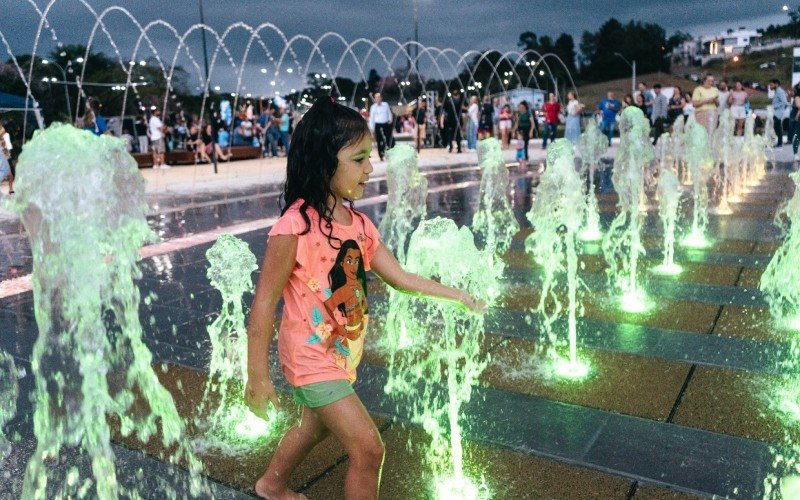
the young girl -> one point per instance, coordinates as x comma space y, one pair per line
317, 256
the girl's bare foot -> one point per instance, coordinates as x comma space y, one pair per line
264, 491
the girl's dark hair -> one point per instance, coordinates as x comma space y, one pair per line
336, 275
319, 136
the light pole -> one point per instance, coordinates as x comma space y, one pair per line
205, 61
64, 80
416, 33
633, 69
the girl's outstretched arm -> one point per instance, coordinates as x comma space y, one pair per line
388, 269
279, 260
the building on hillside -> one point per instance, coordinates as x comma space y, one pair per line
698, 51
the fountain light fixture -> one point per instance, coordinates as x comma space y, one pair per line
634, 302
667, 269
792, 322
696, 239
572, 370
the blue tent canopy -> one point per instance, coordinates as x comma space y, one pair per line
10, 101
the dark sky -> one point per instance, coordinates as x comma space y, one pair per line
462, 25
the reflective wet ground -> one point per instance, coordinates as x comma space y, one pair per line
677, 404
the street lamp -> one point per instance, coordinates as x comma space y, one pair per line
64, 80
633, 69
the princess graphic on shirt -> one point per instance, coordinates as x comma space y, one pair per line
348, 282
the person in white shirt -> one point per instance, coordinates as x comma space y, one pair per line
155, 129
5, 159
380, 123
473, 112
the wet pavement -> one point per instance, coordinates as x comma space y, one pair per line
630, 442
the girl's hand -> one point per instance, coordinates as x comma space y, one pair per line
258, 394
478, 306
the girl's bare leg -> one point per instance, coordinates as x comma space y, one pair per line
293, 448
349, 421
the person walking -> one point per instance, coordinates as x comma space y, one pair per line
609, 107
451, 115
420, 122
486, 122
380, 123
572, 132
738, 98
473, 115
522, 124
780, 104
552, 109
506, 118
156, 132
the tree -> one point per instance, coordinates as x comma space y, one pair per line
644, 43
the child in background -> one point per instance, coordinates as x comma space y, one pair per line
317, 257
519, 145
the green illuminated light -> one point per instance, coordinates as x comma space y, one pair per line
575, 370
251, 426
634, 302
696, 239
590, 234
446, 488
792, 323
667, 269
790, 486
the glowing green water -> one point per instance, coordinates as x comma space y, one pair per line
432, 375
726, 152
407, 203
494, 222
592, 144
669, 197
81, 199
9, 391
779, 282
622, 244
231, 428
697, 153
556, 215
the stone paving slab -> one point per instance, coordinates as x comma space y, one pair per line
649, 492
507, 474
691, 460
633, 385
738, 404
675, 345
751, 323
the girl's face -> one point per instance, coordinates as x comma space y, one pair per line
350, 263
352, 172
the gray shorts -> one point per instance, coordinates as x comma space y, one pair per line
157, 146
5, 168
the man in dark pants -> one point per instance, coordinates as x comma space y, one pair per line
658, 116
451, 115
780, 104
380, 123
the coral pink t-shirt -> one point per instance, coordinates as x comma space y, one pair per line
325, 313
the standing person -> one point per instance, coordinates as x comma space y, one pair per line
522, 124
486, 124
496, 117
285, 129
704, 102
723, 101
438, 114
380, 123
676, 104
473, 114
452, 121
609, 107
738, 98
98, 126
628, 101
128, 138
780, 103
795, 121
420, 120
5, 159
156, 132
506, 117
552, 108
659, 115
647, 98
572, 131
316, 259
140, 126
